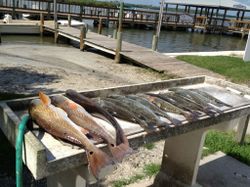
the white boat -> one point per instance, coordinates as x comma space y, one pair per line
74, 23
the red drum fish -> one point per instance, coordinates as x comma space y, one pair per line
56, 122
82, 118
121, 148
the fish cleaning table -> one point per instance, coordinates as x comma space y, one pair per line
65, 165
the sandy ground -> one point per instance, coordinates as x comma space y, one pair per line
28, 69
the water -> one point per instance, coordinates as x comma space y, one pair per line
181, 41
170, 41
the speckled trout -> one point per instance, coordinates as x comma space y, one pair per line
141, 111
154, 108
122, 147
168, 107
56, 122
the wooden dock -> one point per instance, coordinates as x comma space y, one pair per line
139, 55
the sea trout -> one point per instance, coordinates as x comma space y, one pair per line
56, 122
122, 147
154, 108
168, 107
198, 99
211, 99
119, 112
139, 110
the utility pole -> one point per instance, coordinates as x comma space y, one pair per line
158, 30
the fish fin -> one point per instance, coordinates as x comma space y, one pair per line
120, 151
99, 163
44, 98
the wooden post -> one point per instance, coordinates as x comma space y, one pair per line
201, 11
224, 17
120, 17
118, 47
238, 15
69, 20
55, 14
100, 26
211, 16
154, 42
115, 33
56, 32
195, 15
242, 16
0, 37
14, 9
82, 37
41, 24
119, 35
155, 39
81, 12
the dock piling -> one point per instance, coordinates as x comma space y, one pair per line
115, 34
118, 47
41, 23
100, 26
56, 32
154, 42
69, 20
82, 37
0, 38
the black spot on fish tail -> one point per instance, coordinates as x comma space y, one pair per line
175, 121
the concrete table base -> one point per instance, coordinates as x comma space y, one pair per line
181, 157
77, 177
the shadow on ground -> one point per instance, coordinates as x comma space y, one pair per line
25, 81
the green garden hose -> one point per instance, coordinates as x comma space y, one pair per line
19, 143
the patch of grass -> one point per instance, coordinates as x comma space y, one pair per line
233, 68
124, 182
225, 142
149, 146
149, 170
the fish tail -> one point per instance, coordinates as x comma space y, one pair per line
120, 151
44, 98
191, 116
175, 121
99, 163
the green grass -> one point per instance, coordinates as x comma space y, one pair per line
233, 68
149, 170
149, 146
225, 142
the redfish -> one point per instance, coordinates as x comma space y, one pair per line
121, 148
82, 118
56, 122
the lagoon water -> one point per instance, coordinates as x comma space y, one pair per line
170, 41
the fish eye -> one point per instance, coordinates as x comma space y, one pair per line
112, 145
91, 152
